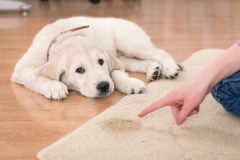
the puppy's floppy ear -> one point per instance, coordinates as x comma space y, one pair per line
114, 63
50, 70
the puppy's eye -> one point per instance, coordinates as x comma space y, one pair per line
80, 70
100, 61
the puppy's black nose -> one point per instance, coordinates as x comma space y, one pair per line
103, 86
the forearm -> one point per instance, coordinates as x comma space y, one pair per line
224, 66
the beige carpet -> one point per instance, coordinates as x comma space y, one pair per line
118, 134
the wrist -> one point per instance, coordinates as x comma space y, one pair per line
204, 80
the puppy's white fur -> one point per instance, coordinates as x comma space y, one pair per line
121, 45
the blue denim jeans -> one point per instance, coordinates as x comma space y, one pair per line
227, 93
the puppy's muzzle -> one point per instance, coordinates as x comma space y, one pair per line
103, 87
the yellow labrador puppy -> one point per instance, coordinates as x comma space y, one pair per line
91, 55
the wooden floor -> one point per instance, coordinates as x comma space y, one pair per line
29, 122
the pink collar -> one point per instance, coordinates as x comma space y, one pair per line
61, 33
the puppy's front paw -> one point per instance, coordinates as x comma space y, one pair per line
133, 86
55, 90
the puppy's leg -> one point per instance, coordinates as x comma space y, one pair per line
137, 44
51, 89
125, 84
27, 75
151, 68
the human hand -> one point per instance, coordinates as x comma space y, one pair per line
184, 101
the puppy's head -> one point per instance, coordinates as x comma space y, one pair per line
82, 67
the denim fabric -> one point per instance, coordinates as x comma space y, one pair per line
227, 93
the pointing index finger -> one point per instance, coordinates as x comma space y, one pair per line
154, 106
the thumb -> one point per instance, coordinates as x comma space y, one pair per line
182, 115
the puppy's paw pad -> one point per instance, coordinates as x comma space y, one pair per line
55, 90
154, 72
